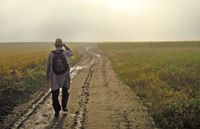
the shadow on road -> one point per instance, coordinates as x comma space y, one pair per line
57, 123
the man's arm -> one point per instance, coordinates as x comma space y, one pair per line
67, 48
69, 53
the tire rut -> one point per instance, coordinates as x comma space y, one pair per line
79, 118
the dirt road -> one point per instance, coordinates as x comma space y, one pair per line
98, 100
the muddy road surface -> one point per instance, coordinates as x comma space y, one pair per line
98, 100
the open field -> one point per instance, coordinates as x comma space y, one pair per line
22, 71
165, 76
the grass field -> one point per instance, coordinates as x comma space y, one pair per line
165, 75
22, 71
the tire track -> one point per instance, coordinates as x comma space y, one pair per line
79, 118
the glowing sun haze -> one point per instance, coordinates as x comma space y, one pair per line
99, 20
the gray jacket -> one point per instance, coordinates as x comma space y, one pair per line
58, 81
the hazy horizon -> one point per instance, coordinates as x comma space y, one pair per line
99, 20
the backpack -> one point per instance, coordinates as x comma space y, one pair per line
59, 62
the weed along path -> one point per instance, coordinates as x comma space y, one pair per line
98, 100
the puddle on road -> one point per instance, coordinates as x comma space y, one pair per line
74, 70
98, 55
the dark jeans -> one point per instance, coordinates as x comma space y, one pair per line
65, 97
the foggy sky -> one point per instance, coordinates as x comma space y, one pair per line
99, 20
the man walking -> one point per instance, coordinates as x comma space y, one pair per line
58, 75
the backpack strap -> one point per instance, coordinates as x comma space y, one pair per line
55, 51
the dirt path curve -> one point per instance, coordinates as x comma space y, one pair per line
97, 101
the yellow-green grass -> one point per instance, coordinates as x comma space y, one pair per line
21, 55
165, 75
22, 71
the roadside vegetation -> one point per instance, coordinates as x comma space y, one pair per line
22, 72
165, 75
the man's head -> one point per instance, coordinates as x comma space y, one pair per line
58, 43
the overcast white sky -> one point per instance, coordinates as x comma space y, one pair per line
99, 20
